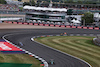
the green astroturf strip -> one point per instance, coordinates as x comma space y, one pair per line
14, 65
79, 46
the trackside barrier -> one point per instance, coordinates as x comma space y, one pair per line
62, 26
25, 23
19, 22
36, 24
46, 24
85, 27
57, 25
9, 22
79, 27
90, 27
5, 21
73, 26
30, 23
68, 26
14, 22
96, 28
51, 25
41, 24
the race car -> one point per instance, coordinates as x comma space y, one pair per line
20, 44
51, 62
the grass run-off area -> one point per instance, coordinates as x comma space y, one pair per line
79, 46
19, 58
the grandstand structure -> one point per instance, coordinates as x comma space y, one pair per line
14, 2
10, 9
22, 0
45, 14
12, 17
7, 7
86, 0
77, 8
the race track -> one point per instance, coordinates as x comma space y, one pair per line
61, 59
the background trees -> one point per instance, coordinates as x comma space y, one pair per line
87, 19
31, 3
3, 2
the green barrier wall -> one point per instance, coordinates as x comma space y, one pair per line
14, 65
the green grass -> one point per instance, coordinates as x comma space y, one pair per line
19, 58
79, 46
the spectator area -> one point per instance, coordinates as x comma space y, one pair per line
9, 7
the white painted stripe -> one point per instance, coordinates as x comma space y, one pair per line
50, 35
77, 34
64, 35
84, 34
91, 34
40, 58
33, 55
26, 51
57, 35
98, 34
43, 60
32, 39
71, 34
36, 57
44, 35
30, 53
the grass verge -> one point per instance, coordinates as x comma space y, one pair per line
19, 58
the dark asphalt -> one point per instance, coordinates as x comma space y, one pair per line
61, 60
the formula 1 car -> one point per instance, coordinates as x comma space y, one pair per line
20, 44
51, 62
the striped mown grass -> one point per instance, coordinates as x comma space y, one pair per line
79, 46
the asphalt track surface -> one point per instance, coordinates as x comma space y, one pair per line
61, 60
